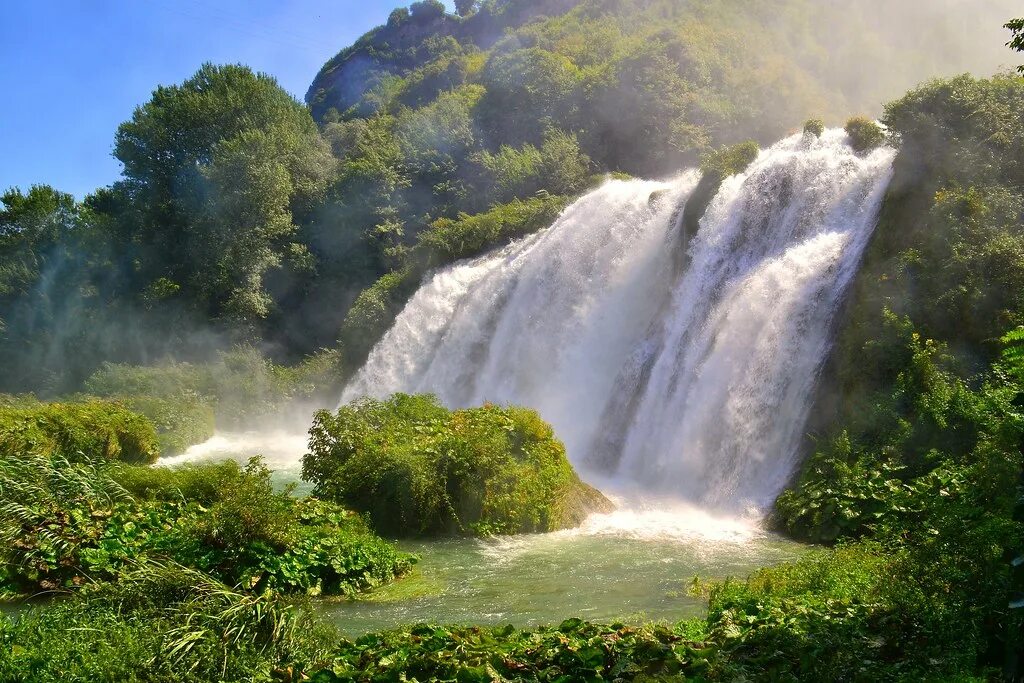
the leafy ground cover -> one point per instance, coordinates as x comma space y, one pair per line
65, 524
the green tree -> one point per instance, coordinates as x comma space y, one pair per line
31, 225
219, 168
1017, 41
526, 88
426, 10
465, 7
40, 280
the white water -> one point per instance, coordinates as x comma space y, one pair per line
693, 382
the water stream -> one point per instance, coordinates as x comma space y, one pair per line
630, 565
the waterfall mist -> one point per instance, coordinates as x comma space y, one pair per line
674, 364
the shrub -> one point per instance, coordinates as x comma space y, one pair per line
574, 650
168, 394
247, 510
864, 133
418, 468
201, 483
833, 612
64, 523
450, 239
558, 166
180, 422
93, 430
397, 17
716, 167
730, 160
814, 127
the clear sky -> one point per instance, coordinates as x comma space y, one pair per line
72, 70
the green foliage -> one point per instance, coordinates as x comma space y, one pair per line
1016, 27
465, 7
167, 394
528, 87
849, 613
716, 166
94, 430
51, 298
234, 222
444, 241
452, 239
856, 608
864, 134
730, 160
558, 166
64, 523
426, 10
217, 167
180, 421
573, 651
162, 623
921, 451
814, 127
372, 314
417, 468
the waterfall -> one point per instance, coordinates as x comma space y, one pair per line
692, 380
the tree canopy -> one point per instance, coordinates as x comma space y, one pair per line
219, 167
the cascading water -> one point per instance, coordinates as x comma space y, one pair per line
692, 382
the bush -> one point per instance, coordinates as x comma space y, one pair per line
451, 239
186, 402
201, 483
417, 468
833, 612
558, 166
94, 430
930, 468
864, 133
180, 422
814, 127
730, 160
715, 167
575, 650
64, 523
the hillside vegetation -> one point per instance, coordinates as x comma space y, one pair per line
243, 216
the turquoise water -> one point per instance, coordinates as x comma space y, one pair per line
627, 566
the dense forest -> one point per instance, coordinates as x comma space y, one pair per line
257, 247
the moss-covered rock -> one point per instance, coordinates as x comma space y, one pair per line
418, 468
89, 431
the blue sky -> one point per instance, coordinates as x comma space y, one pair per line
72, 70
